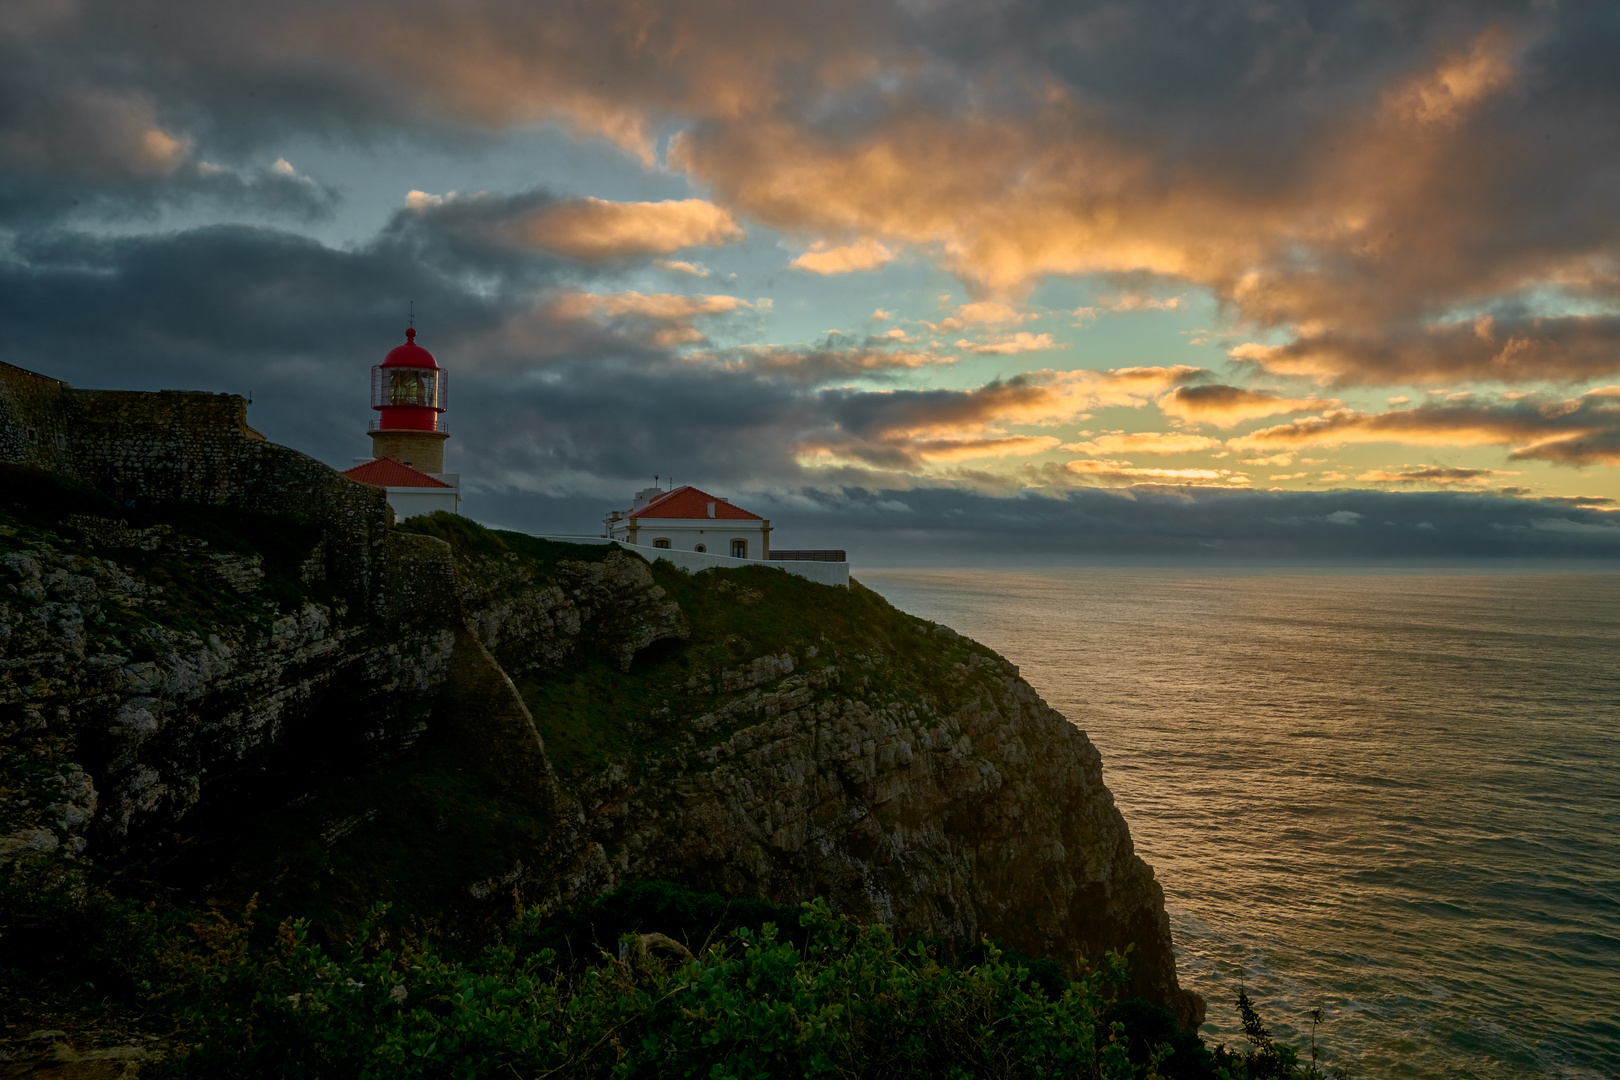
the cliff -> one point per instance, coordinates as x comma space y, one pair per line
324, 711
759, 735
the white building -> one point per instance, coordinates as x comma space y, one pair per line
687, 519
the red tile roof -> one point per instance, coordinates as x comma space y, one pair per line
386, 472
689, 502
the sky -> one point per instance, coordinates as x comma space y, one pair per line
931, 281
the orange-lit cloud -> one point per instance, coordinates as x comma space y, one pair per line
1571, 347
1226, 406
905, 428
1008, 344
824, 258
594, 229
680, 266
1143, 442
966, 449
1120, 473
1581, 431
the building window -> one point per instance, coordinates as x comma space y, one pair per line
661, 542
739, 549
700, 547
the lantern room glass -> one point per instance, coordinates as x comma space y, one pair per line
409, 387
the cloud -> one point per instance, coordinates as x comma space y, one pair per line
595, 229
1123, 473
1507, 349
891, 429
1136, 301
996, 446
822, 258
661, 306
1580, 431
1143, 442
829, 361
1185, 523
669, 317
1227, 406
1432, 474
679, 266
992, 312
1009, 344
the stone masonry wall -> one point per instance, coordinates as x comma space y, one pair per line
177, 446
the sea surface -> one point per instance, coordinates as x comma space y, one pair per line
1394, 795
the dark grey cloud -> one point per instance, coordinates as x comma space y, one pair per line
1511, 348
83, 134
242, 308
946, 526
535, 397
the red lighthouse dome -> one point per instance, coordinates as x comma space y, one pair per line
409, 389
409, 354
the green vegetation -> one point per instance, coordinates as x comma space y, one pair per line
739, 989
472, 540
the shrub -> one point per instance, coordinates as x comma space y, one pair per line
849, 1002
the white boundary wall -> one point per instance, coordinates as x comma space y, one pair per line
409, 502
828, 573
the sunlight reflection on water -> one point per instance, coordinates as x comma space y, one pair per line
1393, 794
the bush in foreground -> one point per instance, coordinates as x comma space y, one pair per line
734, 997
851, 1002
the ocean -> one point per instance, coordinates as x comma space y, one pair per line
1394, 795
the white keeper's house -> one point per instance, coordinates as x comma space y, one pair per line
686, 519
700, 531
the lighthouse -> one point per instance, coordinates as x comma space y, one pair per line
409, 392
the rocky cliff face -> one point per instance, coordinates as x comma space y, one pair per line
744, 731
155, 663
778, 739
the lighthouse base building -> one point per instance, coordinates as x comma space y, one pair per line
410, 490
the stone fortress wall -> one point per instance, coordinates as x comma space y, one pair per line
175, 446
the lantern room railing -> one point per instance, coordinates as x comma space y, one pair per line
439, 425
394, 387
